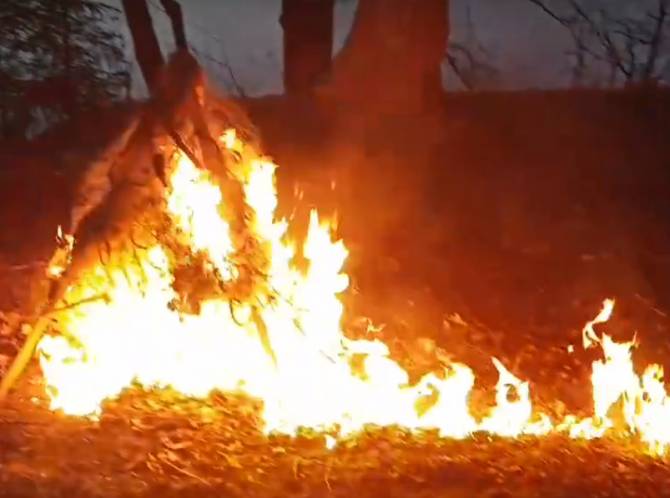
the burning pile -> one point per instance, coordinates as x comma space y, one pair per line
193, 305
177, 273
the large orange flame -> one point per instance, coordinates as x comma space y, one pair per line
308, 380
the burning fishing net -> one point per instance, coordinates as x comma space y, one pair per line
196, 307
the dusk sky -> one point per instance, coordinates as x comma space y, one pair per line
527, 48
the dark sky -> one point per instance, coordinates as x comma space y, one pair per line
527, 48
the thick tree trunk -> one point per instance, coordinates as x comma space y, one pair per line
393, 57
308, 42
147, 49
174, 12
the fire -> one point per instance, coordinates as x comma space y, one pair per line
278, 336
193, 202
511, 417
60, 259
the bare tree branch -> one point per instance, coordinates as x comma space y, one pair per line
632, 47
656, 39
469, 59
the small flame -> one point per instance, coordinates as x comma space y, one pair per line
589, 336
652, 418
331, 442
62, 254
512, 413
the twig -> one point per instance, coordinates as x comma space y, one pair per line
326, 477
25, 266
225, 65
184, 471
651, 306
25, 422
179, 142
100, 297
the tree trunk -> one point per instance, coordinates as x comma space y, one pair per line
69, 105
393, 57
308, 42
173, 10
147, 49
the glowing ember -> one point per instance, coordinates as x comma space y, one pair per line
277, 337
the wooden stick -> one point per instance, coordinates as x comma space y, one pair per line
28, 349
23, 358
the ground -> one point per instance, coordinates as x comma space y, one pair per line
517, 212
162, 446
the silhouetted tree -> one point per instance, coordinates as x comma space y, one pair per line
147, 50
633, 46
308, 42
173, 10
394, 54
56, 56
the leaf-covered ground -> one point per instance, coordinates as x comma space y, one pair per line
161, 445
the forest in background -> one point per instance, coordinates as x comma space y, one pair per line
51, 68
